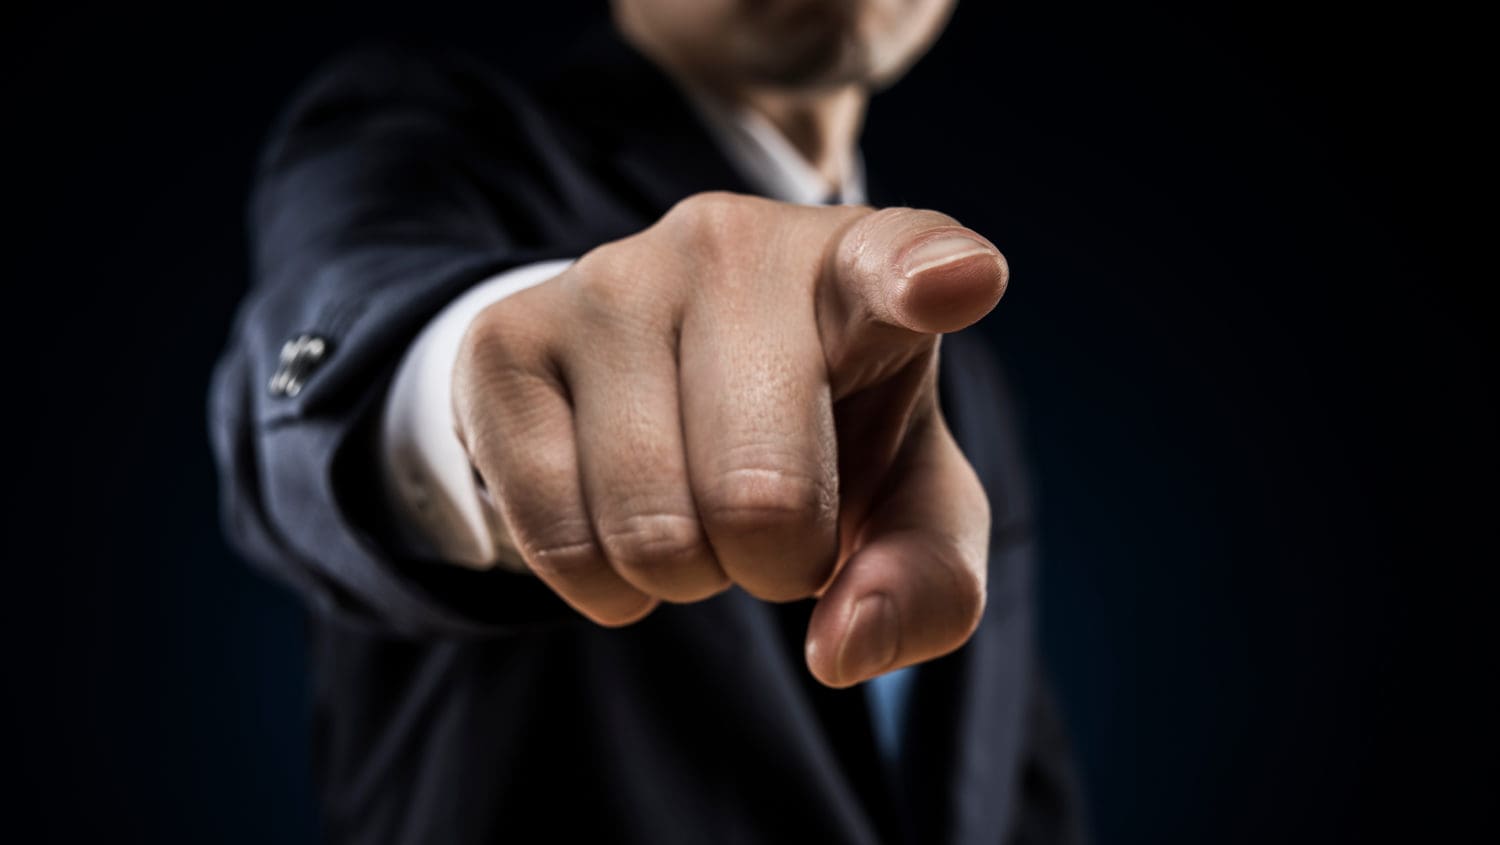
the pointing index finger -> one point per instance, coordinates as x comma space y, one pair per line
895, 278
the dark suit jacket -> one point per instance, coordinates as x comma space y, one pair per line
454, 706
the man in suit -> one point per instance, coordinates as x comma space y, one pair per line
601, 422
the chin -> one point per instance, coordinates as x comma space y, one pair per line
828, 51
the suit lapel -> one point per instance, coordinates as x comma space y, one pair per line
635, 116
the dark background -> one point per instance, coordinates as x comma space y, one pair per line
1252, 375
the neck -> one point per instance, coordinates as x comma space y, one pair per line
822, 125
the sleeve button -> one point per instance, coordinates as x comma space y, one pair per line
299, 357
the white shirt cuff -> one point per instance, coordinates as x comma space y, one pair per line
430, 486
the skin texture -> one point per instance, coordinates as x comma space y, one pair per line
745, 393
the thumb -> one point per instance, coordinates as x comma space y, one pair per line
896, 277
914, 587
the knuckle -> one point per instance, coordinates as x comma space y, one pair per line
709, 218
501, 335
602, 288
629, 287
563, 559
601, 260
757, 499
488, 337
650, 542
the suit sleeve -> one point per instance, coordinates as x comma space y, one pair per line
366, 218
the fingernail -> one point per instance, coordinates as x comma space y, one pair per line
942, 251
869, 644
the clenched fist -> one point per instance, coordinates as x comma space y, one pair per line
745, 393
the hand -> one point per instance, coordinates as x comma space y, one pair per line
745, 393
